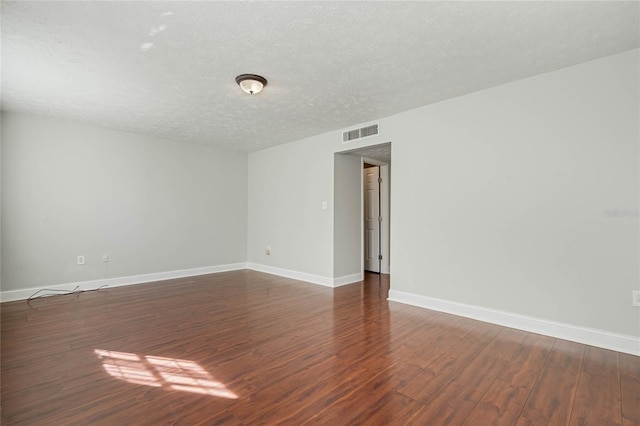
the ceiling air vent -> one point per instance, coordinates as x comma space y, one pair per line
362, 132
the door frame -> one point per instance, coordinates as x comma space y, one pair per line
385, 211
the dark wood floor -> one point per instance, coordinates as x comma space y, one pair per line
250, 348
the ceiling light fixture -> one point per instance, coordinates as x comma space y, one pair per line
251, 83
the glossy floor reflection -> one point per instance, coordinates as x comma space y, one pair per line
169, 373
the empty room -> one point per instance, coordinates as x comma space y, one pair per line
340, 213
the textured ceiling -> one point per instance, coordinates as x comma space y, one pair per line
168, 68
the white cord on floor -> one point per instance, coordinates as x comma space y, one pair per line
61, 292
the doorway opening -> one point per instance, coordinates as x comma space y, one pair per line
375, 206
362, 231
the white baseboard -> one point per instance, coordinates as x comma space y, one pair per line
348, 279
588, 336
310, 278
296, 275
8, 296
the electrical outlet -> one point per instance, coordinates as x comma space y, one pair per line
268, 251
80, 260
105, 257
636, 298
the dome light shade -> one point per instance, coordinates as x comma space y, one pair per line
251, 83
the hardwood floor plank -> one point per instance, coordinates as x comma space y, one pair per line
394, 409
451, 413
630, 408
456, 400
353, 407
630, 372
505, 344
225, 418
477, 375
567, 355
328, 387
427, 384
527, 362
425, 349
501, 404
552, 397
292, 390
598, 400
601, 362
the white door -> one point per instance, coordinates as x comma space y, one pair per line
372, 219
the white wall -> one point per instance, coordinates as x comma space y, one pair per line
287, 185
498, 198
0, 204
347, 228
154, 205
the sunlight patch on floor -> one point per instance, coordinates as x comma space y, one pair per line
168, 373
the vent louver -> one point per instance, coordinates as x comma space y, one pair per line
369, 131
362, 132
351, 135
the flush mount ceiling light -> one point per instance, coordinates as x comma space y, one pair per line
251, 83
